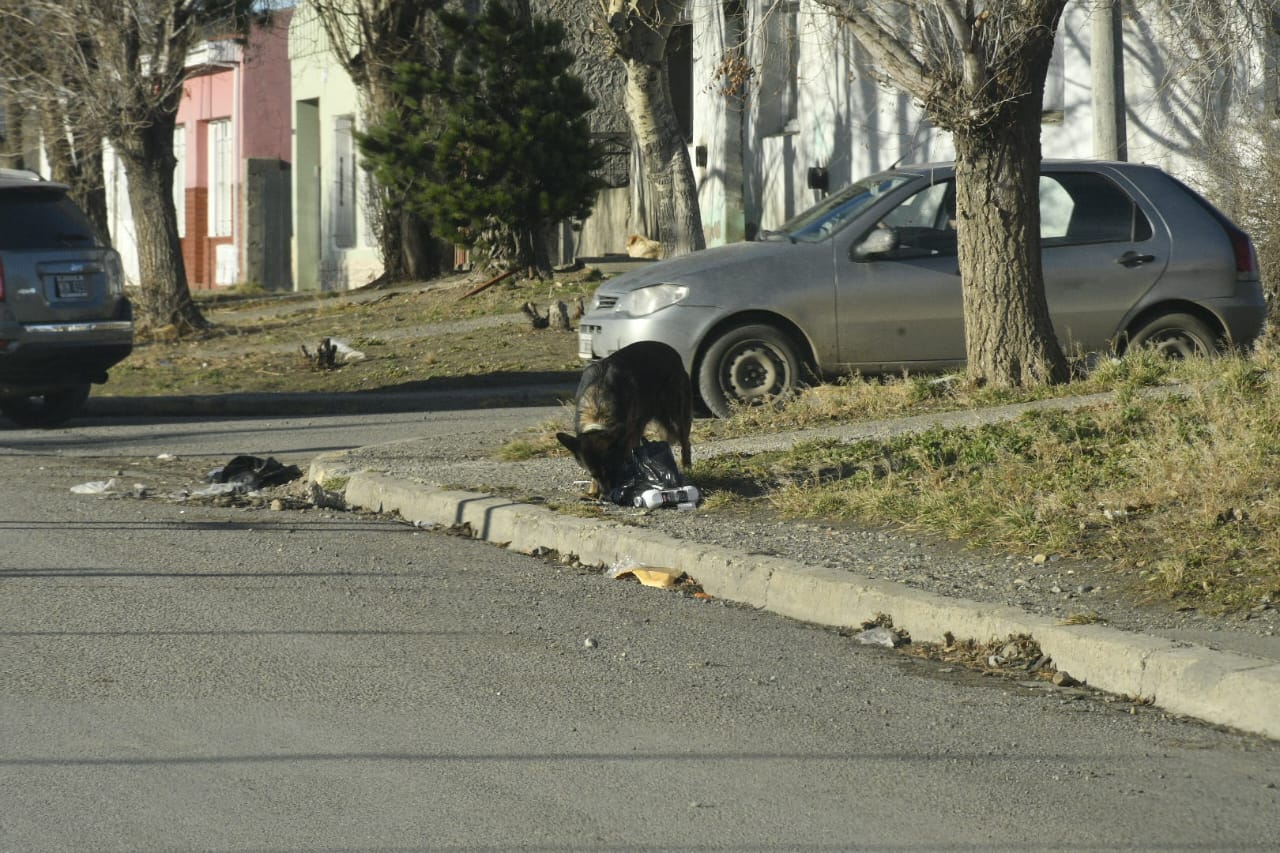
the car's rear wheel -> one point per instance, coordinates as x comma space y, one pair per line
1175, 336
748, 365
45, 410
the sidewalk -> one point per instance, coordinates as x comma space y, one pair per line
1214, 672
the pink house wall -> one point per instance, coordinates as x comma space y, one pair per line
254, 94
267, 91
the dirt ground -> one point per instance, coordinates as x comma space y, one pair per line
385, 340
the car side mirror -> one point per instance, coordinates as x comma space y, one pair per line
880, 241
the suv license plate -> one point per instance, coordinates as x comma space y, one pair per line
584, 345
70, 286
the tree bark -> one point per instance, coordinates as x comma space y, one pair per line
1009, 338
667, 167
165, 299
640, 33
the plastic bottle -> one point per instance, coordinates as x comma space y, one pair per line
654, 498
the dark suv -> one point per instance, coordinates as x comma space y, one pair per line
64, 318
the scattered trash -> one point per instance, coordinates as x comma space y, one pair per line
346, 353
219, 489
1062, 679
648, 575
330, 353
167, 457
654, 498
878, 635
651, 467
97, 487
249, 473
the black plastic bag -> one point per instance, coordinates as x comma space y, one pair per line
253, 472
652, 465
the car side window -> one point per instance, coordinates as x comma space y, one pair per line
924, 224
1084, 207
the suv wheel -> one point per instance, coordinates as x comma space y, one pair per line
45, 410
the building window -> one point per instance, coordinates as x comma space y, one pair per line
180, 178
221, 178
344, 183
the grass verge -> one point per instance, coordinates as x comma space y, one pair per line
1176, 491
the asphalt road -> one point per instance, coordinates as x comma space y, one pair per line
177, 676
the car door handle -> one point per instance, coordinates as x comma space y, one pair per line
1133, 259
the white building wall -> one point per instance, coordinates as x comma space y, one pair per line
124, 234
849, 124
318, 78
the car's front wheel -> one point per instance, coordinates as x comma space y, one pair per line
45, 410
1175, 336
748, 365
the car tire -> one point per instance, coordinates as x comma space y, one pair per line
748, 365
45, 410
1176, 336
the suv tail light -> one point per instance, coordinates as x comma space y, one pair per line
1, 281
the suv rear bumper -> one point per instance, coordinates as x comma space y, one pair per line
42, 357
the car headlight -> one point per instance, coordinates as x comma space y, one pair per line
646, 300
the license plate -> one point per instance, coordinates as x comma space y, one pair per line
70, 286
584, 344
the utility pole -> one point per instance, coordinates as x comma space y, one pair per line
1107, 65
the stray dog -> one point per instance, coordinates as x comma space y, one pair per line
643, 247
618, 397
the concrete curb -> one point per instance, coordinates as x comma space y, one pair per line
1223, 688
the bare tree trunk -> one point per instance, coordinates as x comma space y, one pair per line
165, 298
1009, 338
668, 170
423, 253
640, 30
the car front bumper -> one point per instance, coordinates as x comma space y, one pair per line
683, 328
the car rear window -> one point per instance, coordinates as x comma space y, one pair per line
40, 218
1085, 207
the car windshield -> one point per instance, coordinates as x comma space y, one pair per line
829, 215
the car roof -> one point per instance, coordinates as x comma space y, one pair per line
24, 179
945, 168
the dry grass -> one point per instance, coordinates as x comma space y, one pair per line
255, 343
1177, 490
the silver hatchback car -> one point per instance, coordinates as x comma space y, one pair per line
867, 281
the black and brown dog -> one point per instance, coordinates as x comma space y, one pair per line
618, 397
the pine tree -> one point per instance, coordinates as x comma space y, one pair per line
495, 146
